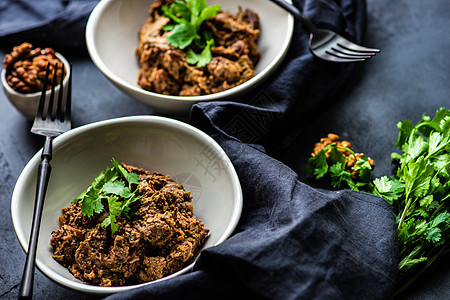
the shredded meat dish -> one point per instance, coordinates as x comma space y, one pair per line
164, 69
161, 237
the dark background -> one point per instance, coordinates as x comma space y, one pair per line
408, 78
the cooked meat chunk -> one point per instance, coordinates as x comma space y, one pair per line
159, 239
164, 69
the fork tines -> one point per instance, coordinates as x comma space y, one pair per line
345, 49
53, 118
62, 110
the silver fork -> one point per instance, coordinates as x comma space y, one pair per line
50, 124
327, 44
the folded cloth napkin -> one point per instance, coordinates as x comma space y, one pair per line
293, 241
56, 23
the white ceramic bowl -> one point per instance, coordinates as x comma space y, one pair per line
112, 37
27, 104
160, 144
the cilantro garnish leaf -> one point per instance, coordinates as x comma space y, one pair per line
364, 168
426, 125
117, 188
434, 142
182, 35
178, 11
114, 187
115, 208
389, 189
338, 174
383, 185
91, 203
188, 17
417, 177
415, 146
207, 13
426, 201
203, 58
132, 178
434, 235
336, 156
317, 165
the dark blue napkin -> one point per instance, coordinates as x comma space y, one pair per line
45, 23
293, 241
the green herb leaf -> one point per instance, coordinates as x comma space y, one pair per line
426, 201
132, 178
416, 146
317, 165
127, 204
383, 184
91, 203
115, 208
189, 16
180, 10
117, 188
182, 35
339, 176
426, 125
434, 235
196, 7
405, 127
434, 142
389, 189
413, 172
110, 186
207, 13
364, 168
201, 59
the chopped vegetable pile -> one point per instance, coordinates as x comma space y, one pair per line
419, 189
188, 17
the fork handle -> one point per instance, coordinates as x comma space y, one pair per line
26, 287
296, 13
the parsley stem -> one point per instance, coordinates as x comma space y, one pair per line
402, 218
417, 274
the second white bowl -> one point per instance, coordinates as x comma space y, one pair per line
188, 155
112, 37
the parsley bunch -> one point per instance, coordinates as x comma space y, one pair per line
188, 16
112, 187
419, 191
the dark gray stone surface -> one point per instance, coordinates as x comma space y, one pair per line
408, 78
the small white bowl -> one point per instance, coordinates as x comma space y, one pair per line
27, 103
160, 144
112, 37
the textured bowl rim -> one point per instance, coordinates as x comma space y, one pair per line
90, 42
59, 141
